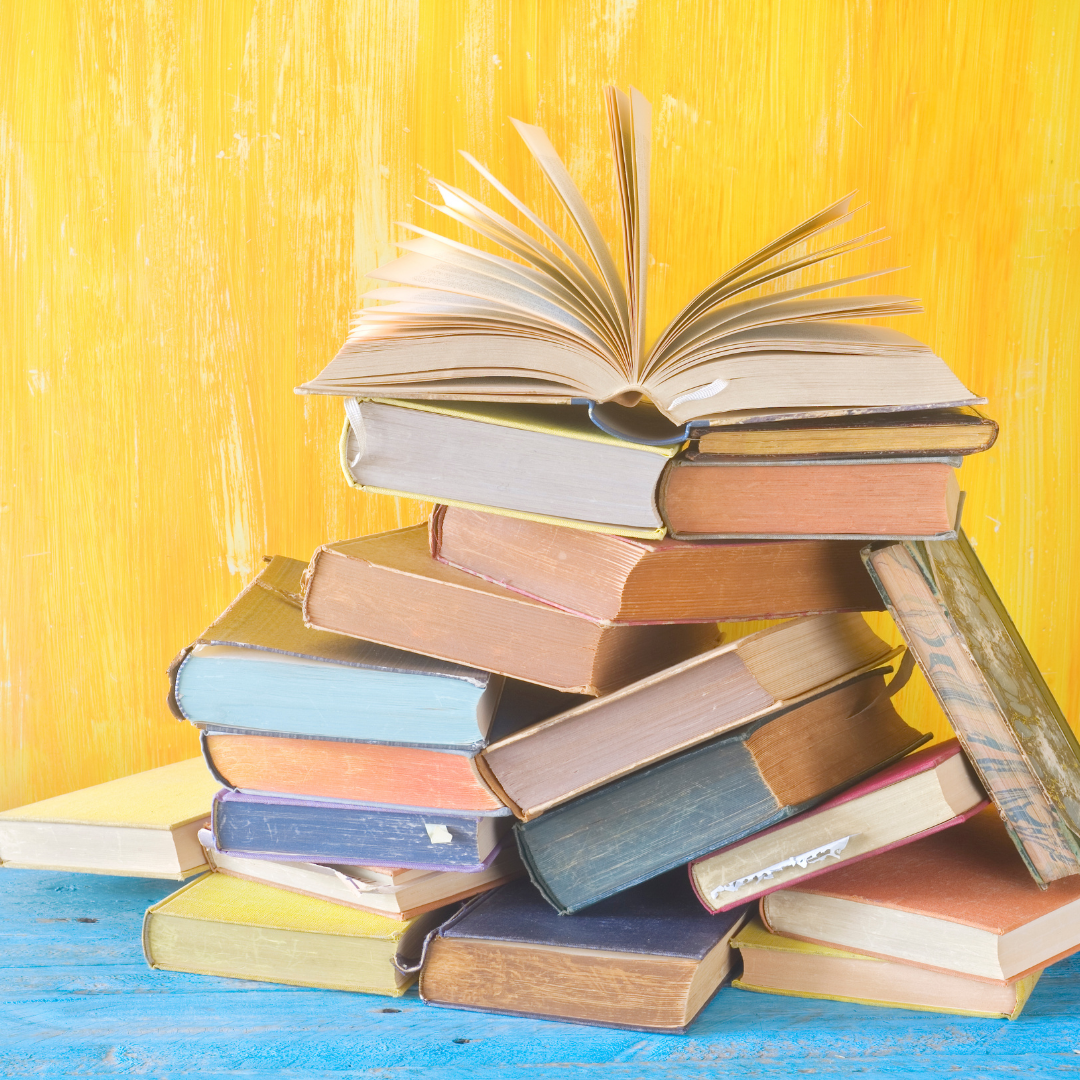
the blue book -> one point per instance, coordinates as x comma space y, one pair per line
356, 834
649, 958
258, 669
705, 798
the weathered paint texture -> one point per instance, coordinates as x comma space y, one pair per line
191, 192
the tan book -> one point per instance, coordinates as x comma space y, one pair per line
604, 576
396, 892
944, 431
144, 825
779, 965
757, 676
538, 323
387, 588
225, 926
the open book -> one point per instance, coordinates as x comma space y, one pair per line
546, 325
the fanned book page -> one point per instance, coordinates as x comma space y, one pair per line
544, 324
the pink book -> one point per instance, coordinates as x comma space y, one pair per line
930, 790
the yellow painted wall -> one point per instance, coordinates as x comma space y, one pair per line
190, 193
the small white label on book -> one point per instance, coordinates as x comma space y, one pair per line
806, 859
438, 834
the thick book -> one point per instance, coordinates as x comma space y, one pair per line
388, 588
998, 703
704, 497
539, 462
222, 925
960, 900
938, 432
542, 325
258, 668
145, 825
645, 959
675, 811
355, 771
392, 891
310, 830
762, 674
778, 965
622, 579
923, 793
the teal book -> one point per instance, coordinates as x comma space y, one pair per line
257, 669
664, 816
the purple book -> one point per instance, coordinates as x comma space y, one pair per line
921, 794
309, 830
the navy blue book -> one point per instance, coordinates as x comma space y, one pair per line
356, 834
649, 958
710, 796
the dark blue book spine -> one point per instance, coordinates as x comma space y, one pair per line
309, 832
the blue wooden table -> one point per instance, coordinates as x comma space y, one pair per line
78, 1000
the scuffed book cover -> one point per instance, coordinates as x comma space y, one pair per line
354, 834
990, 688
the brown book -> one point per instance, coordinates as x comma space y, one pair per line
649, 958
759, 675
958, 901
940, 431
387, 588
703, 497
778, 965
604, 576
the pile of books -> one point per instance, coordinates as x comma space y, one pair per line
507, 752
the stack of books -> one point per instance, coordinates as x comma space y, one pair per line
507, 752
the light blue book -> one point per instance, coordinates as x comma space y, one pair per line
258, 669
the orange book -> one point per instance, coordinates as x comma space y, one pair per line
958, 901
335, 769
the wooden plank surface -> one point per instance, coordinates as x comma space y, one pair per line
76, 999
193, 189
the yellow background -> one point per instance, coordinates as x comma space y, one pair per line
191, 193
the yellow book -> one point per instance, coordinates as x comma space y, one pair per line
144, 825
780, 965
238, 929
540, 463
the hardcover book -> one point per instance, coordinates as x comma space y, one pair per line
704, 497
960, 900
938, 432
144, 825
645, 959
922, 793
387, 588
617, 578
760, 675
547, 463
675, 811
393, 891
779, 965
258, 668
307, 830
221, 925
992, 692
546, 325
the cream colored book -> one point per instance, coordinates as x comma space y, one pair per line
144, 825
779, 965
222, 925
541, 323
395, 892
